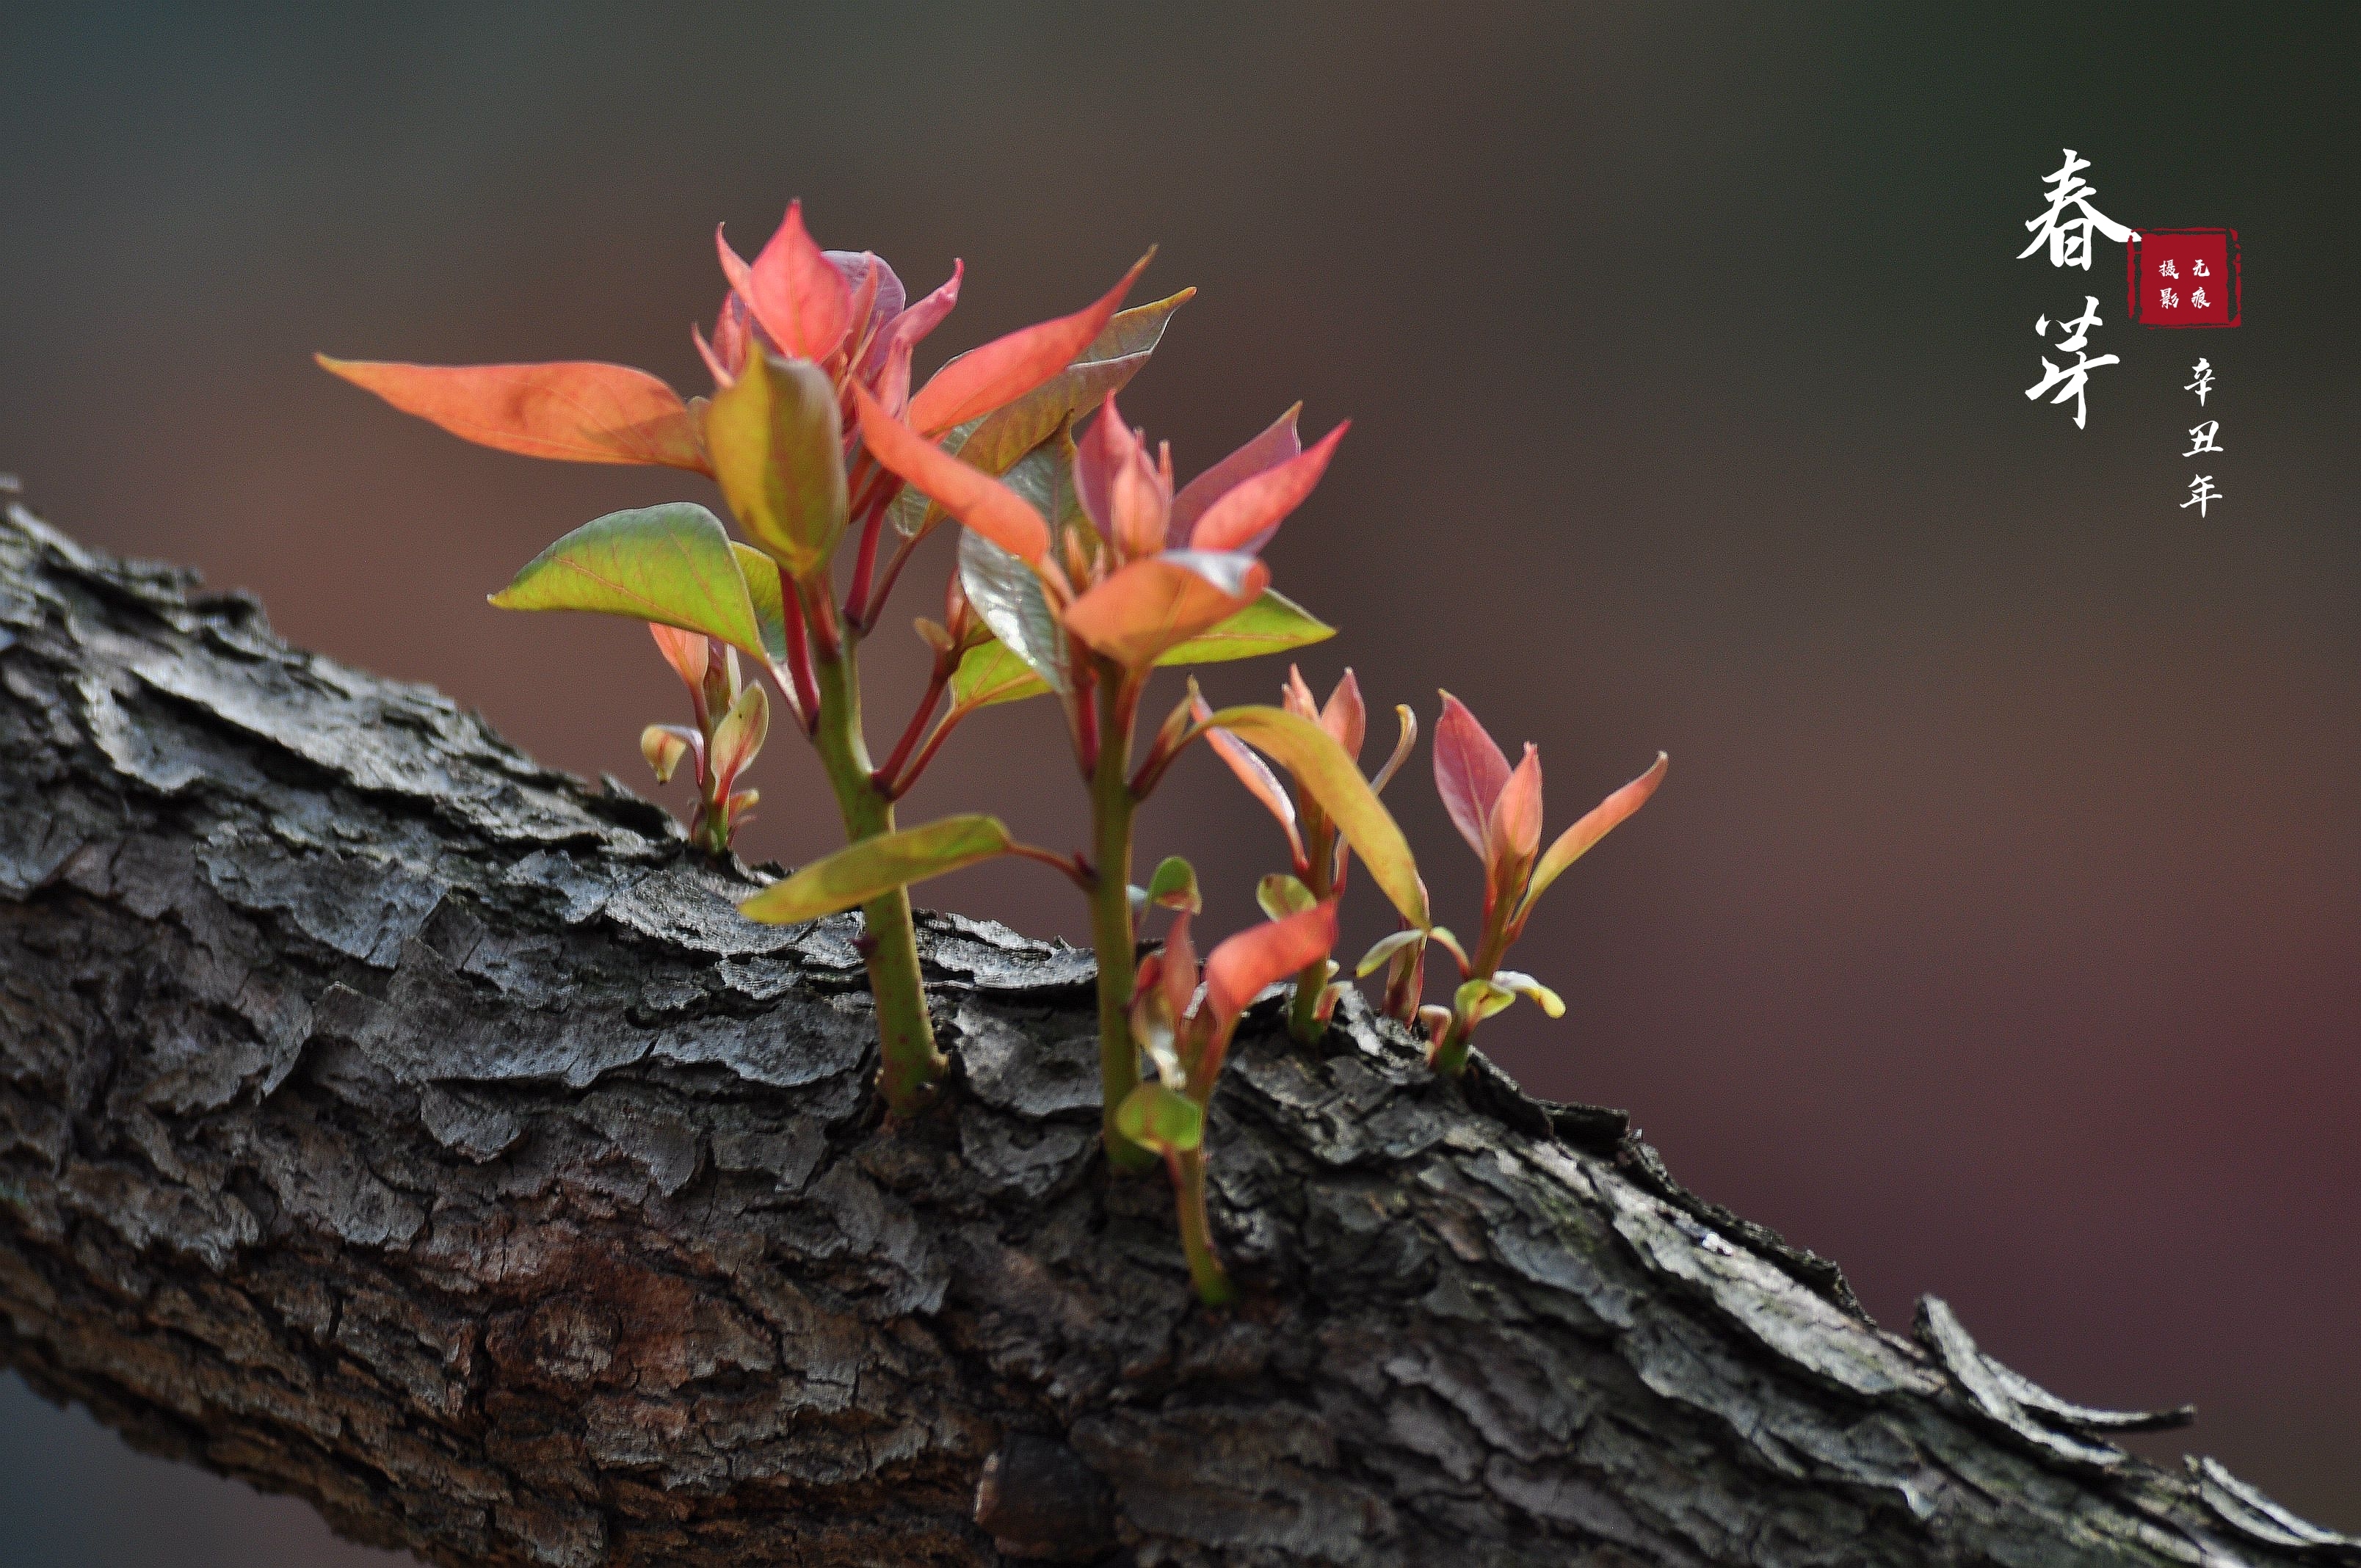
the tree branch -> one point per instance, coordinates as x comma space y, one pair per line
387, 1119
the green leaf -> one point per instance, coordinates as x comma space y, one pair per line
1007, 598
1044, 479
1322, 770
1525, 985
1272, 624
1282, 895
996, 441
1477, 999
1174, 885
670, 564
858, 873
767, 592
988, 673
1441, 936
776, 439
1386, 949
1161, 1119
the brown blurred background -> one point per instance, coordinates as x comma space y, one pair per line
1996, 933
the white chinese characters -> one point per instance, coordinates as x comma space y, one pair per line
2069, 237
2201, 438
2070, 378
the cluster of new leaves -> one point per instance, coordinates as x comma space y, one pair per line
1498, 811
1185, 1030
1319, 857
1081, 568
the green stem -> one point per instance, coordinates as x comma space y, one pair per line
1303, 1021
1451, 1052
1205, 1270
1451, 1055
1112, 805
906, 1036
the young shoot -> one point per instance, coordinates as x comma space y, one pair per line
1498, 811
733, 717
1081, 569
802, 336
1186, 1032
1319, 857
1091, 570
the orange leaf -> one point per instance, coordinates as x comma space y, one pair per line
1346, 718
796, 292
1512, 832
1242, 966
687, 651
1006, 369
575, 411
975, 498
1602, 820
1156, 604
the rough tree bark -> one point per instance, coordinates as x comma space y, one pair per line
389, 1120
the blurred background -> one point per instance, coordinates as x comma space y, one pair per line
1998, 932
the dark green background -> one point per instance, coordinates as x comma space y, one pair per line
1996, 933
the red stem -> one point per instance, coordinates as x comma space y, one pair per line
871, 500
1071, 865
890, 771
925, 754
799, 661
1151, 771
893, 564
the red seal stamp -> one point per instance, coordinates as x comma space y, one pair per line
2184, 277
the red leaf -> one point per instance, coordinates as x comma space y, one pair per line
1512, 832
1243, 965
1345, 718
1469, 770
863, 309
1099, 455
1006, 369
733, 329
798, 295
1273, 447
904, 332
867, 275
1246, 517
1155, 603
1179, 971
575, 410
1295, 696
974, 497
1139, 504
